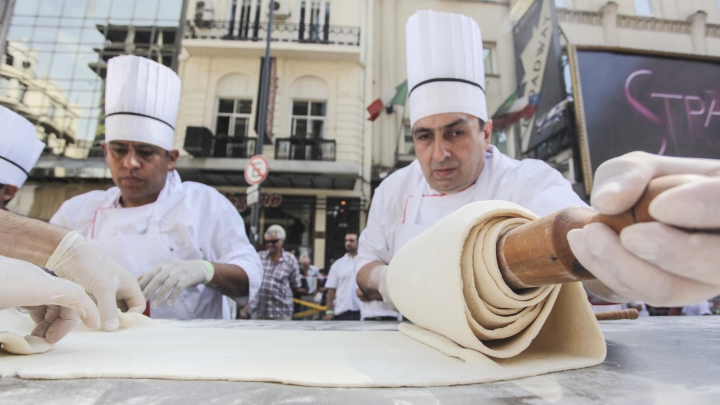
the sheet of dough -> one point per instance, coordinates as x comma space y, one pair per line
447, 281
560, 334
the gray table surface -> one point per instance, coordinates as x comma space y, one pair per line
662, 360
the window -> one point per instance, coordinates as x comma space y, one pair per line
308, 119
499, 139
50, 110
488, 58
408, 146
22, 89
233, 118
642, 7
4, 86
9, 59
315, 19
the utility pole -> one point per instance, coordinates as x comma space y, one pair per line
6, 11
179, 36
264, 83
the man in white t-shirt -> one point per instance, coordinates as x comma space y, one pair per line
342, 302
701, 308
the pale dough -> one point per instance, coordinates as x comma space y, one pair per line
432, 280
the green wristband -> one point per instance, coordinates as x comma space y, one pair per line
329, 312
210, 271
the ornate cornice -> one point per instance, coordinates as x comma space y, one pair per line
712, 30
633, 22
580, 17
653, 24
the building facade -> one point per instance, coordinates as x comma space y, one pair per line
53, 74
679, 26
41, 100
316, 150
330, 60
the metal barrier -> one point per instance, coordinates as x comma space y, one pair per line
315, 308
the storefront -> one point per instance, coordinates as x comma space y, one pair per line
300, 216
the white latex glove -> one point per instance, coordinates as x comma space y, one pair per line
654, 262
53, 303
377, 280
113, 287
175, 276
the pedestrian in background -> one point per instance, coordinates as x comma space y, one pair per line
281, 278
343, 303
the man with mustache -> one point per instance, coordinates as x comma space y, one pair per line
185, 241
659, 263
456, 164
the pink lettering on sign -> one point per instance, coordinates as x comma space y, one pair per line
697, 112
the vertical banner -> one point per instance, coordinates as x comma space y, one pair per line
538, 60
272, 91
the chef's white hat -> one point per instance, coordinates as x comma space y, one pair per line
20, 148
445, 66
141, 101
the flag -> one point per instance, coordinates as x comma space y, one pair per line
554, 115
514, 109
396, 96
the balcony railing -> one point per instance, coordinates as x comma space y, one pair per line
304, 149
282, 32
233, 147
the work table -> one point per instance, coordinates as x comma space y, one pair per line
649, 360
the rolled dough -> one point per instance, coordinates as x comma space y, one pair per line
460, 336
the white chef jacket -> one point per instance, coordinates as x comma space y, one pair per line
342, 278
191, 221
529, 183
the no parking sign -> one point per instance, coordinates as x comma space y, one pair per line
256, 170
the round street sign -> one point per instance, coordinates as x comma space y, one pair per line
256, 170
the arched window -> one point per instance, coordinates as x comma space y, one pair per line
234, 106
309, 107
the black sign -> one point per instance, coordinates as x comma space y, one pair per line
270, 106
538, 60
658, 104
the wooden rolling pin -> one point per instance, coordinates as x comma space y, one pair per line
538, 253
630, 313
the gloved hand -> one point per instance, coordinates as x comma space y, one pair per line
113, 287
655, 262
175, 276
53, 303
377, 280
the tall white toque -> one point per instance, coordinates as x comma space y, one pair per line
445, 65
141, 101
20, 148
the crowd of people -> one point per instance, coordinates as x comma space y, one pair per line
289, 284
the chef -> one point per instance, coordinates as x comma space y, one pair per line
185, 241
20, 149
56, 304
457, 165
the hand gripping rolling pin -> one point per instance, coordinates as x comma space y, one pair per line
538, 253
